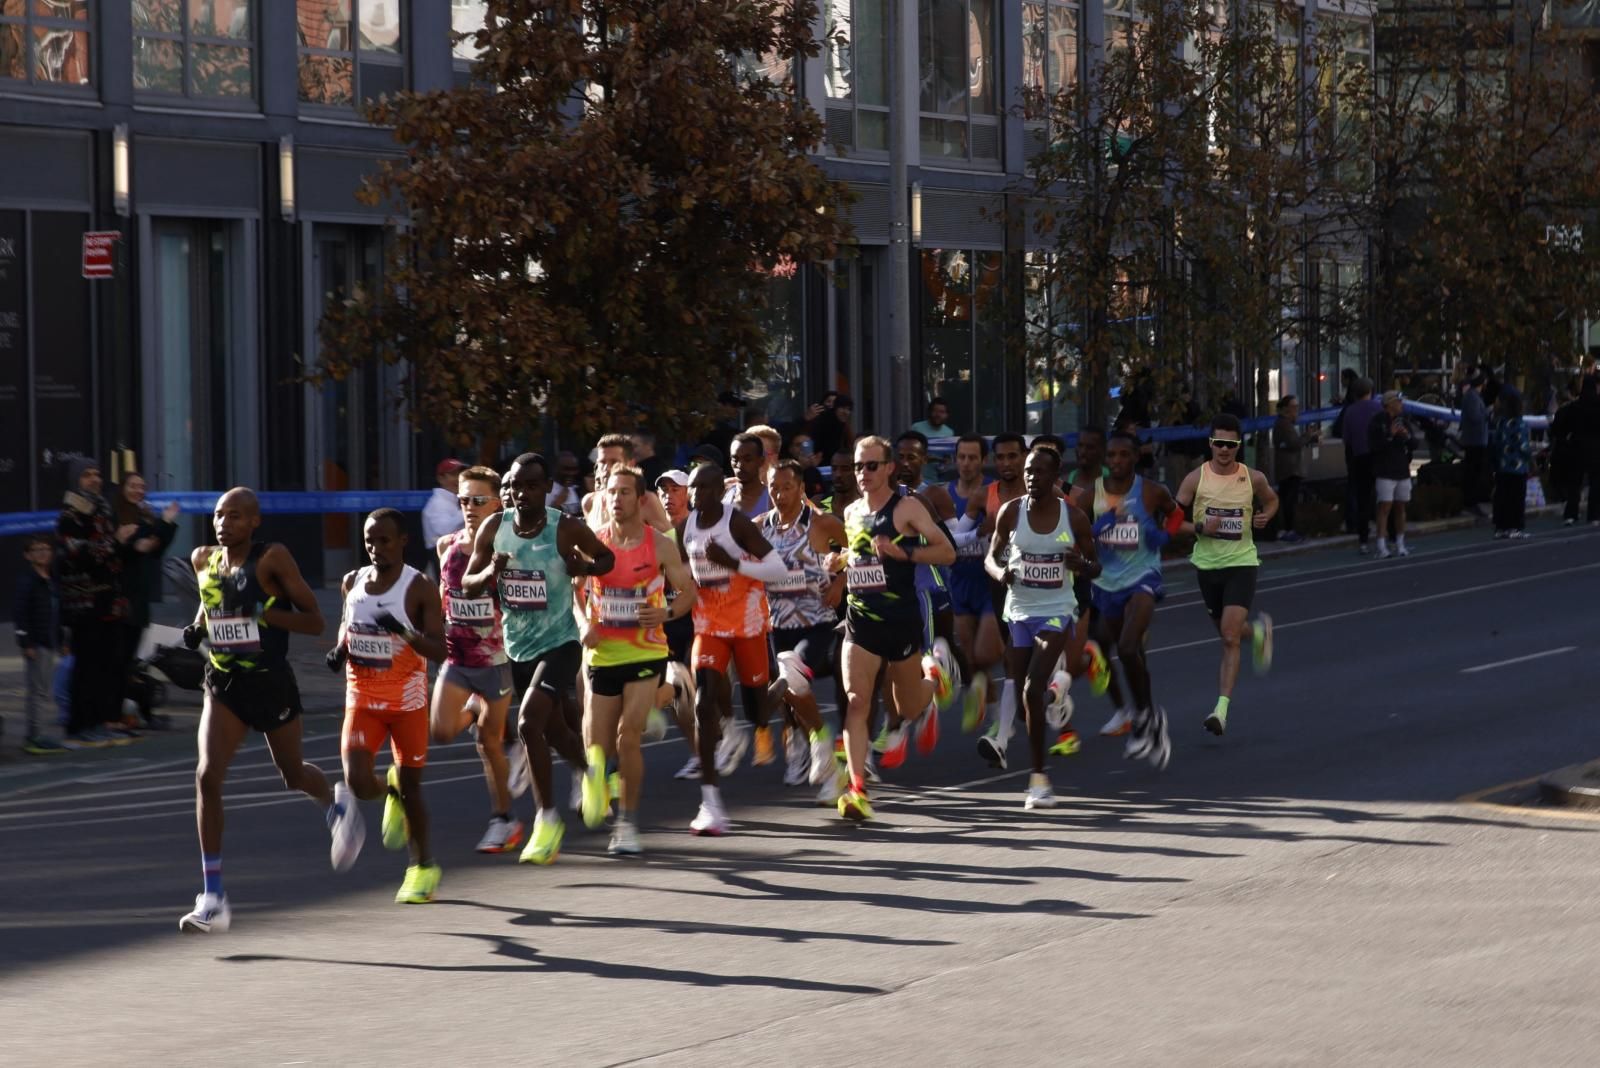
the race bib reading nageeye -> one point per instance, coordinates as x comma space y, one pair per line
1044, 571
866, 576
233, 633
470, 611
1231, 525
369, 646
619, 606
1123, 534
524, 591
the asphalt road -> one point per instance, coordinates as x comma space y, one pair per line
1311, 889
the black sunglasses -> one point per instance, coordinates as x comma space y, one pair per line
477, 500
1224, 443
870, 465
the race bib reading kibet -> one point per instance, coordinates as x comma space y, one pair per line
232, 633
524, 591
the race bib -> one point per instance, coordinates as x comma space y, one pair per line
1042, 571
866, 576
1123, 534
1231, 527
524, 591
233, 633
973, 550
707, 574
369, 646
619, 606
792, 584
470, 611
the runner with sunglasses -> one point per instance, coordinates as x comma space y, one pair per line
1226, 502
1010, 451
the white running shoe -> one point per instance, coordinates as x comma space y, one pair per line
498, 837
711, 821
690, 769
731, 750
681, 680
625, 840
798, 757
992, 749
520, 779
873, 778
1139, 737
349, 830
575, 802
1058, 702
793, 671
1160, 754
655, 725
949, 679
822, 764
1120, 723
1039, 795
211, 915
832, 787
1402, 549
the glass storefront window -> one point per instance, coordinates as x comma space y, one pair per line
856, 66
958, 68
466, 16
1342, 288
194, 48
962, 338
777, 388
45, 42
1051, 359
351, 51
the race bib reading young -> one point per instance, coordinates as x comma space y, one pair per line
1123, 534
619, 606
233, 633
1231, 525
369, 646
866, 576
524, 591
471, 611
1044, 571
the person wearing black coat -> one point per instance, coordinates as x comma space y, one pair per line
1575, 440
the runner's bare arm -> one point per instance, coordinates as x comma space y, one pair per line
582, 549
280, 577
913, 517
1266, 496
939, 502
993, 563
1082, 558
485, 565
422, 605
827, 533
675, 565
1185, 501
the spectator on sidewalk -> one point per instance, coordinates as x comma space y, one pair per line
442, 514
1183, 454
831, 431
645, 458
936, 425
1576, 431
1354, 423
37, 619
1510, 447
1392, 440
1474, 444
94, 605
1288, 455
567, 494
142, 570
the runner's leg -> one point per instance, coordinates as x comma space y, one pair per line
221, 733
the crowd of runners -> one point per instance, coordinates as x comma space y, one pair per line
583, 631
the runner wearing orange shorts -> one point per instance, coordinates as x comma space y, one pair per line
391, 627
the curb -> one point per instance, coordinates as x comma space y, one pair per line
1577, 786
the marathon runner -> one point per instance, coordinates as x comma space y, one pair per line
474, 686
528, 556
1091, 465
1037, 540
939, 620
882, 615
730, 561
1220, 497
392, 626
748, 495
615, 451
977, 630
252, 598
803, 605
677, 687
1010, 451
625, 643
1134, 518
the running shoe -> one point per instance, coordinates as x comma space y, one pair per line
1099, 670
793, 671
1039, 794
502, 836
1261, 643
348, 828
853, 805
1217, 722
975, 705
625, 840
992, 749
1058, 701
928, 730
873, 778
575, 799
940, 666
731, 750
211, 915
821, 757
690, 769
1140, 737
1160, 754
832, 787
839, 755
682, 683
1120, 723
1383, 551
891, 745
1066, 743
765, 753
544, 844
393, 828
711, 821
596, 798
40, 746
613, 790
1402, 549
520, 779
797, 758
420, 883
655, 725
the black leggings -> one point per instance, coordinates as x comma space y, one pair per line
99, 675
1510, 501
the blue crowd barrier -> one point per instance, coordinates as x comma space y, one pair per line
273, 502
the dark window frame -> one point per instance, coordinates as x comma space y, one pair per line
356, 56
30, 20
186, 40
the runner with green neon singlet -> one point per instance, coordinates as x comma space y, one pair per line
532, 552
1221, 497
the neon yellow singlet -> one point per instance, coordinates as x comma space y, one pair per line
1231, 498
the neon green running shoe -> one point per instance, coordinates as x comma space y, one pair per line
395, 831
854, 806
1099, 670
1261, 643
544, 844
1066, 744
596, 798
421, 882
975, 705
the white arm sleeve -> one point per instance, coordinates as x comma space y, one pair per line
770, 568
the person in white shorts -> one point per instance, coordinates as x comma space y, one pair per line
1392, 439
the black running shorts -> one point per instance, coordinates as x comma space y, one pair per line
608, 681
1224, 586
264, 700
888, 640
554, 671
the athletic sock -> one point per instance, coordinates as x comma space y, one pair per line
858, 783
710, 795
1008, 710
1221, 711
549, 815
211, 871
